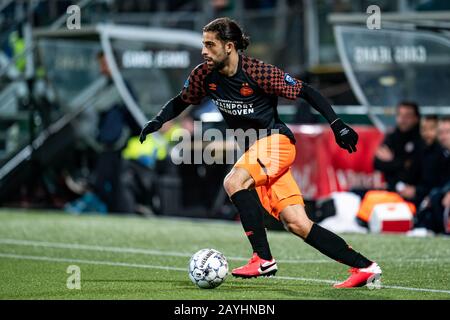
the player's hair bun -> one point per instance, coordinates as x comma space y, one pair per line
243, 44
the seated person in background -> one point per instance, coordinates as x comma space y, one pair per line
430, 154
398, 157
114, 125
444, 160
435, 209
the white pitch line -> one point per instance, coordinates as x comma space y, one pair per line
382, 286
416, 289
76, 246
134, 265
106, 263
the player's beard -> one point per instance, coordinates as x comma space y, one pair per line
219, 64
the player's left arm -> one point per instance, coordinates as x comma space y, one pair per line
345, 136
283, 85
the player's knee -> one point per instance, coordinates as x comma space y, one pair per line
299, 227
237, 180
292, 227
232, 184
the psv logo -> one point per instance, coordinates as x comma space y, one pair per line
246, 90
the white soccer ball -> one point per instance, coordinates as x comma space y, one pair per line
208, 268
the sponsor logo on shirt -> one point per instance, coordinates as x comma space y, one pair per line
246, 90
235, 108
289, 80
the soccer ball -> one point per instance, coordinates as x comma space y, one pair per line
208, 268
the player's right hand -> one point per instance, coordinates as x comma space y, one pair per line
150, 127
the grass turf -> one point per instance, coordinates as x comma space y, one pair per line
136, 258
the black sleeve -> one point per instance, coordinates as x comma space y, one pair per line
171, 109
388, 166
318, 102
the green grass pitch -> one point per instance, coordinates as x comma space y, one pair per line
136, 258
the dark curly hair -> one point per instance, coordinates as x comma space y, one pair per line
228, 30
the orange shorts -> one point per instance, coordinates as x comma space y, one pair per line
268, 161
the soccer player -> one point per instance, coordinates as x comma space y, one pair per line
246, 92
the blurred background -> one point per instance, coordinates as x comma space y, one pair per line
76, 86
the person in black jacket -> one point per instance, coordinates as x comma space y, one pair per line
434, 211
106, 191
430, 154
398, 157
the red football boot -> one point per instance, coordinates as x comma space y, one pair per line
256, 267
360, 277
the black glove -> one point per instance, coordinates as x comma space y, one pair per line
345, 136
150, 127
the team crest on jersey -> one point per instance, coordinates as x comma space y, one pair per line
213, 86
289, 80
246, 90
